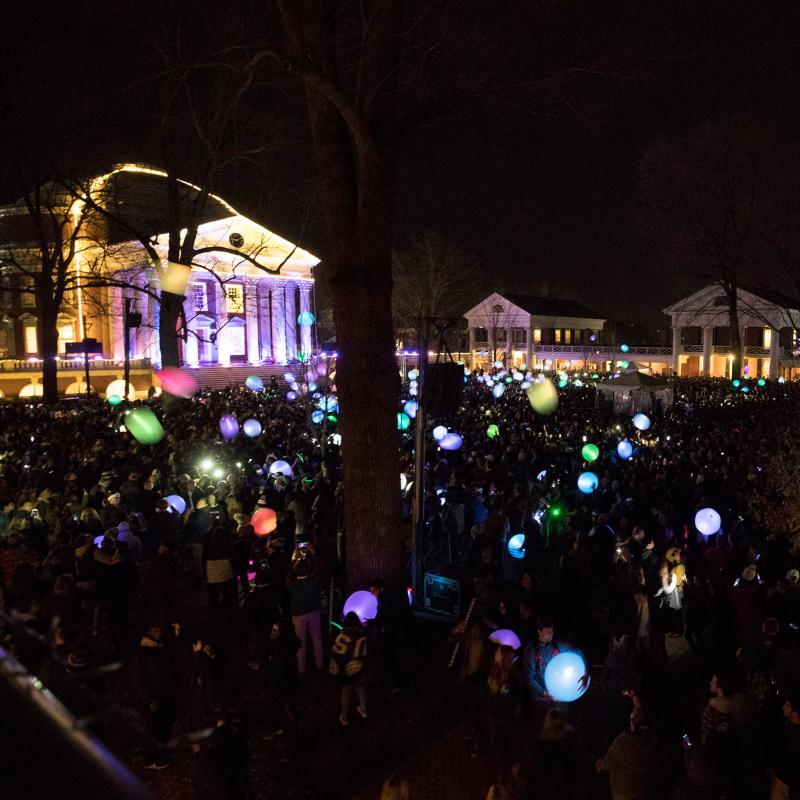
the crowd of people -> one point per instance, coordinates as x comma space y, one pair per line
693, 664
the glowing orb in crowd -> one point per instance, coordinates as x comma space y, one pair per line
623, 365
503, 636
762, 382
590, 452
746, 369
330, 404
114, 400
312, 387
707, 521
317, 416
177, 383
264, 521
542, 475
579, 382
737, 383
543, 397
781, 379
498, 390
176, 502
516, 546
625, 449
410, 408
251, 428
291, 395
363, 603
403, 481
592, 337
641, 421
563, 383
498, 364
228, 426
439, 432
118, 388
451, 441
305, 319
587, 482
322, 369
413, 374
562, 677
98, 540
336, 438
492, 431
144, 426
403, 421
280, 468
624, 348
525, 385
254, 383
745, 389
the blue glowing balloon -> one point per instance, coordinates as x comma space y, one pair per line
504, 636
737, 383
624, 348
280, 468
413, 374
176, 502
329, 404
625, 449
516, 546
562, 677
707, 521
254, 383
305, 319
745, 389
641, 421
317, 416
588, 482
251, 428
362, 603
228, 426
410, 408
498, 390
439, 432
451, 441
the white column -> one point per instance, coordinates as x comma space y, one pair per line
277, 298
153, 318
305, 331
676, 348
490, 346
117, 324
509, 347
529, 348
471, 359
190, 348
265, 328
291, 323
223, 351
251, 322
708, 349
774, 354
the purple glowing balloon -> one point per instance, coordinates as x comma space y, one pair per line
451, 441
506, 637
228, 426
363, 603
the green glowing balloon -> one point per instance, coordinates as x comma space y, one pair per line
403, 421
590, 452
114, 399
762, 382
144, 426
563, 383
543, 397
492, 431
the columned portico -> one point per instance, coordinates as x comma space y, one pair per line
291, 322
278, 305
251, 323
221, 315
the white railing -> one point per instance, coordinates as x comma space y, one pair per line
69, 364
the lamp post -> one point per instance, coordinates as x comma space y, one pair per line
133, 319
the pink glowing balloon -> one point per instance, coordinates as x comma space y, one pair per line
176, 382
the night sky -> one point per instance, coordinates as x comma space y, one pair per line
536, 194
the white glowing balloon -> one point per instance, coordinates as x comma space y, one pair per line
498, 390
543, 397
280, 468
641, 421
707, 521
118, 388
439, 432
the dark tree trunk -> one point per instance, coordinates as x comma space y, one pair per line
48, 347
737, 345
170, 311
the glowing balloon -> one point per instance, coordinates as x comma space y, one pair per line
317, 416
623, 364
176, 382
498, 364
439, 432
289, 378
503, 636
563, 677
403, 481
516, 546
542, 475
492, 431
625, 449
144, 426
641, 421
176, 502
413, 374
781, 379
707, 521
305, 319
403, 421
363, 603
737, 383
590, 452
762, 382
587, 482
329, 404
745, 389
410, 408
254, 383
280, 468
118, 388
624, 348
251, 428
543, 397
228, 426
291, 395
498, 390
264, 521
451, 441
114, 399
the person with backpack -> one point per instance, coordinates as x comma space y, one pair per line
348, 656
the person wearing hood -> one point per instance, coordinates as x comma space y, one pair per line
196, 531
156, 682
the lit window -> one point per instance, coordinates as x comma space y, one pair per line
66, 334
520, 336
537, 335
567, 336
31, 340
200, 295
234, 298
767, 337
28, 298
557, 335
